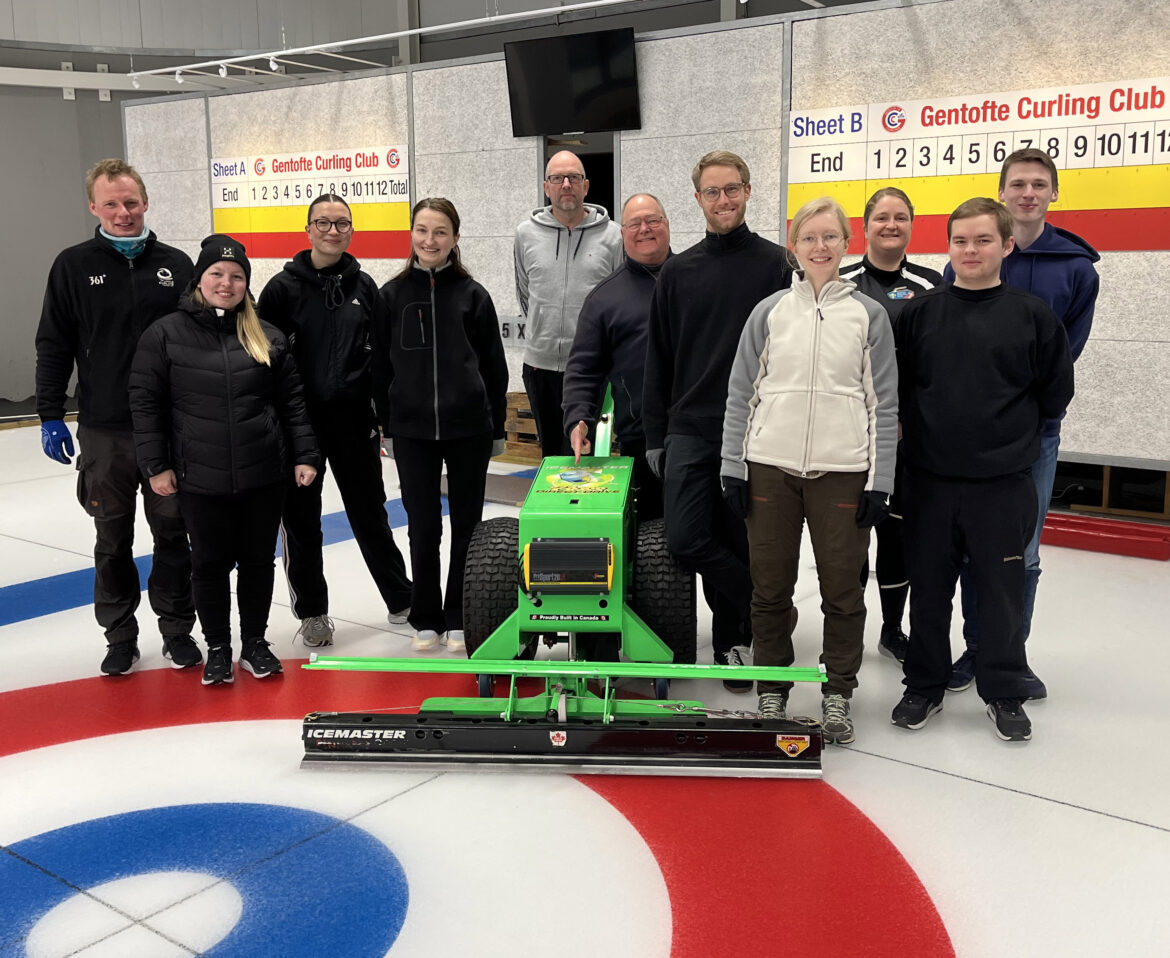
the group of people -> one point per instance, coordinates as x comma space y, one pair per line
770, 388
758, 388
225, 411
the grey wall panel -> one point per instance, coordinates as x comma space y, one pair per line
167, 136
467, 178
366, 112
1125, 310
7, 32
1117, 410
685, 89
489, 259
464, 109
180, 205
947, 49
663, 165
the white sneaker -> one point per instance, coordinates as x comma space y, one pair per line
398, 618
455, 642
316, 631
425, 641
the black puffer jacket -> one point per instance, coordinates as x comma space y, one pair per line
439, 367
205, 408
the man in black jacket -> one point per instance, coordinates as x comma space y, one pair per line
101, 295
610, 344
981, 366
701, 302
325, 304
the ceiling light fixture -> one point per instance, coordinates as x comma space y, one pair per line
178, 76
223, 69
272, 64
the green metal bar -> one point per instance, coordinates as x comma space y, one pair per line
562, 669
537, 707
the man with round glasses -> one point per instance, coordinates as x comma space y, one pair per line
325, 304
703, 298
561, 252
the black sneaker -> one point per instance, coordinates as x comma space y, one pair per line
120, 657
914, 711
1011, 721
735, 656
962, 672
258, 659
1034, 689
182, 651
218, 670
894, 643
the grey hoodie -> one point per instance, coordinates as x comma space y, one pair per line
556, 268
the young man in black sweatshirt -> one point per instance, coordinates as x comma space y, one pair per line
981, 366
701, 302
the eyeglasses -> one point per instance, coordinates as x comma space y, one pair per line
828, 239
650, 222
324, 226
731, 191
556, 179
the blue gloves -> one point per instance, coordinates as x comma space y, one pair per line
655, 459
872, 509
735, 494
56, 440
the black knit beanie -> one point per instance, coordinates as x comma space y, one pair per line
220, 246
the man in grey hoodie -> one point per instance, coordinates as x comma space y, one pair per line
561, 252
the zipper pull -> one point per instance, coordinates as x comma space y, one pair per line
820, 315
422, 330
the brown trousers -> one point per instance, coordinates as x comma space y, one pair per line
780, 505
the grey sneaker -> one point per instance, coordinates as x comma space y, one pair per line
455, 641
316, 631
398, 618
835, 721
737, 655
773, 705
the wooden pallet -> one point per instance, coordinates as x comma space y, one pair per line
521, 442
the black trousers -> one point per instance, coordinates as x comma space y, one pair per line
420, 467
991, 522
892, 576
706, 538
348, 440
107, 483
233, 532
647, 486
546, 393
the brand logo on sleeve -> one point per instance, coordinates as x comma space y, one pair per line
98, 280
165, 277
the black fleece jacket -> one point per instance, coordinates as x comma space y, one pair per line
205, 408
610, 343
978, 373
327, 315
438, 360
97, 303
703, 298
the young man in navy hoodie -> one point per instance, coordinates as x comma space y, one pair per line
1057, 266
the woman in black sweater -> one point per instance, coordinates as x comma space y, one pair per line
219, 420
440, 381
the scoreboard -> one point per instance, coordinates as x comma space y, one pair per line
1110, 143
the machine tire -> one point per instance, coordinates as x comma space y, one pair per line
664, 594
489, 578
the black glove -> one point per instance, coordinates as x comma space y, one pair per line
735, 494
655, 459
872, 509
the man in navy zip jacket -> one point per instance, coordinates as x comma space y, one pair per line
1056, 266
611, 344
101, 296
703, 298
325, 304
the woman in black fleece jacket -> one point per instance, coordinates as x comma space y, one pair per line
440, 382
219, 419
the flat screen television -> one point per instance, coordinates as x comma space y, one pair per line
578, 83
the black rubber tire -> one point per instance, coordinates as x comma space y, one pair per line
662, 688
485, 685
490, 587
663, 593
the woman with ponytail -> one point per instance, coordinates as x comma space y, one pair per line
219, 420
440, 382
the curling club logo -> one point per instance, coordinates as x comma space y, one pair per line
259, 167
393, 159
893, 119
